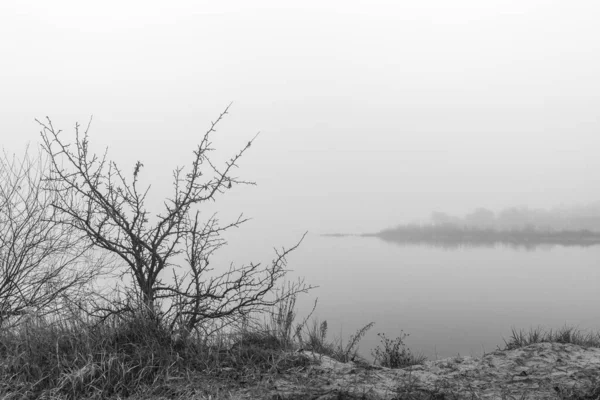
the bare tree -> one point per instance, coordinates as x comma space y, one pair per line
42, 260
110, 208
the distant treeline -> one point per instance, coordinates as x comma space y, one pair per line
586, 217
450, 235
515, 227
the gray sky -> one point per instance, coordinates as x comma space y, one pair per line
371, 113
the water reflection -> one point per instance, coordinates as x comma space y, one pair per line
459, 243
469, 244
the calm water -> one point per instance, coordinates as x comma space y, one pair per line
450, 301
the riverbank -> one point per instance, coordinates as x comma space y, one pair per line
137, 360
537, 371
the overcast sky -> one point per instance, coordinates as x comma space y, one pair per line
371, 113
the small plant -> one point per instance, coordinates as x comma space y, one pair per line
315, 339
394, 353
350, 351
283, 314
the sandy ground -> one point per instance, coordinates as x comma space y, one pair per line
538, 371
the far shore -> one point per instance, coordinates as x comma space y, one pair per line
456, 236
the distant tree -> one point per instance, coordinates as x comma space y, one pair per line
441, 218
512, 218
110, 208
481, 218
42, 260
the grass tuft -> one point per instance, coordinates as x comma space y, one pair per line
566, 334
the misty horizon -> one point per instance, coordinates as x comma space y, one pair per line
369, 113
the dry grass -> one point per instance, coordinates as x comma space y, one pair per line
78, 357
566, 334
74, 356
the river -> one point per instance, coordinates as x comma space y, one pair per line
450, 301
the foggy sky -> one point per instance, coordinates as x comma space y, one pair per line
371, 113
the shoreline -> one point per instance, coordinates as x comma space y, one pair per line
455, 236
536, 371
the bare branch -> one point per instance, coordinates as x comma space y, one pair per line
97, 198
42, 260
